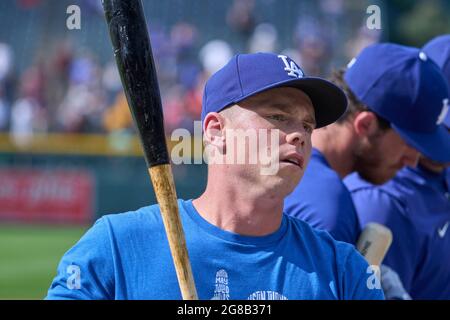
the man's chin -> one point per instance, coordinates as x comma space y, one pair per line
284, 183
291, 182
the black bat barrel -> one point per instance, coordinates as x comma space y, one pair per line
133, 52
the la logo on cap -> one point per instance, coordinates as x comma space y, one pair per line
443, 113
291, 67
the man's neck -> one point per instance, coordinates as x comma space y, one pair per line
240, 209
335, 142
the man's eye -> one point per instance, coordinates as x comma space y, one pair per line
308, 128
277, 117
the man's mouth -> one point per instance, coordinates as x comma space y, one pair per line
295, 159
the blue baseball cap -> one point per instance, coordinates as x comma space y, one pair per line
447, 120
438, 49
248, 74
402, 85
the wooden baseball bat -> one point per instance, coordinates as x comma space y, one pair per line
374, 242
134, 57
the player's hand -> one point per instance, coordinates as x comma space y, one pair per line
392, 285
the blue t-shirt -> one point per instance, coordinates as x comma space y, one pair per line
126, 256
415, 205
322, 200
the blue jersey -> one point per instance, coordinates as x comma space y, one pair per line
322, 200
126, 256
415, 205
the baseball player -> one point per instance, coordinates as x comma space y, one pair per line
415, 205
395, 97
240, 243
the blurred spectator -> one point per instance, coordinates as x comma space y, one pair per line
364, 38
193, 99
23, 113
4, 112
214, 55
174, 117
82, 107
118, 116
313, 54
312, 46
111, 81
264, 39
28, 114
241, 19
56, 78
81, 110
184, 38
241, 16
164, 55
6, 63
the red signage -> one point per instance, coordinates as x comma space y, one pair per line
61, 196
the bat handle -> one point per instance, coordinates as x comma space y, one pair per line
164, 186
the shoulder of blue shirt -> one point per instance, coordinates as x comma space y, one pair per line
389, 194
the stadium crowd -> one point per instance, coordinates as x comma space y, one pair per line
71, 91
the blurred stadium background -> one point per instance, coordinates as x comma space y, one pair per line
68, 153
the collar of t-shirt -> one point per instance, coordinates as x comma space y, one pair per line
234, 237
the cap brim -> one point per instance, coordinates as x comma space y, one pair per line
435, 146
328, 100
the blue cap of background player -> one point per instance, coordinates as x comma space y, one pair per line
248, 74
447, 120
405, 87
438, 49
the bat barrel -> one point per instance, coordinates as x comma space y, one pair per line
374, 242
134, 57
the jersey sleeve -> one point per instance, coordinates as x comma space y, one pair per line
86, 271
336, 214
375, 205
345, 225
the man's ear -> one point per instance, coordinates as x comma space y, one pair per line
365, 123
214, 130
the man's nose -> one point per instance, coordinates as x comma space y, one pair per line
296, 138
